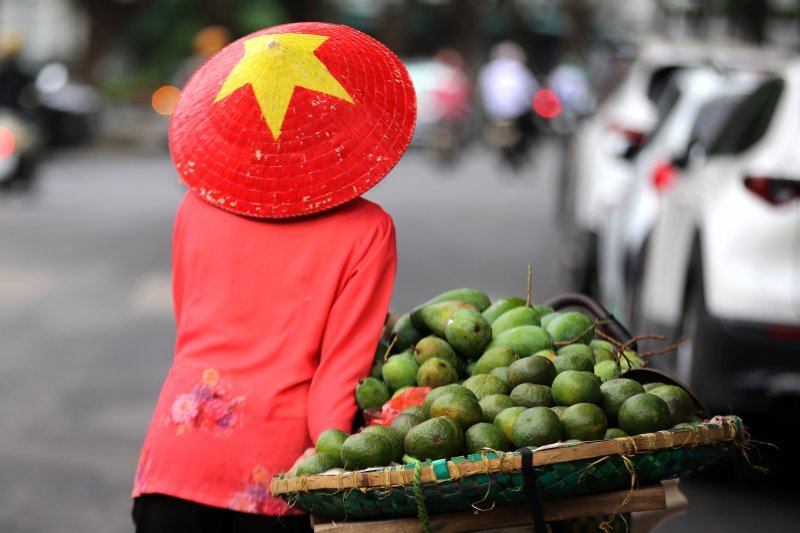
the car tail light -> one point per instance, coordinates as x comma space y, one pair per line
7, 142
663, 176
783, 332
774, 191
546, 103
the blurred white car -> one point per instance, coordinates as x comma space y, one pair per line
597, 169
723, 263
621, 242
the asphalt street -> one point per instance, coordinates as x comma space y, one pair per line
86, 326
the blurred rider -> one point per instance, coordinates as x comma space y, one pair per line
507, 87
13, 78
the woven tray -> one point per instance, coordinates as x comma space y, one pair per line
481, 481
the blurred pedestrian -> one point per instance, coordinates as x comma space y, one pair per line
570, 82
507, 87
452, 97
282, 273
453, 91
14, 80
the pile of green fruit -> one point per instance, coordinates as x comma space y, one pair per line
504, 375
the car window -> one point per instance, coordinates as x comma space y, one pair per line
711, 117
748, 121
664, 106
659, 81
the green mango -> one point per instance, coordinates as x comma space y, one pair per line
468, 332
571, 326
547, 317
601, 354
577, 347
602, 345
502, 305
400, 371
433, 318
432, 346
469, 368
376, 371
470, 296
523, 340
407, 334
519, 316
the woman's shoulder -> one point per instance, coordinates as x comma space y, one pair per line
360, 210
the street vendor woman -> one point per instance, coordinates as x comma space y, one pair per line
282, 273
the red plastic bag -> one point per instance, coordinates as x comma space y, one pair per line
392, 408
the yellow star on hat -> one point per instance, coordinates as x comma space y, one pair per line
274, 65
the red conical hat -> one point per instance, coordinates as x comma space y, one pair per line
292, 120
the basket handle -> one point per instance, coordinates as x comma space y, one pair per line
612, 326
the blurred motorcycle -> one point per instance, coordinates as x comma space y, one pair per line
511, 138
566, 100
19, 151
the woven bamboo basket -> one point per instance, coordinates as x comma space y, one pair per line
484, 480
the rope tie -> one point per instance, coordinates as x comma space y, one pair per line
731, 430
627, 446
634, 480
422, 511
475, 505
453, 470
485, 463
387, 483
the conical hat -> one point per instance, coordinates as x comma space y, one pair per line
292, 120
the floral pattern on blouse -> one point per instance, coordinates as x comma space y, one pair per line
207, 406
255, 497
142, 466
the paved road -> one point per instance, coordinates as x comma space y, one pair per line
86, 325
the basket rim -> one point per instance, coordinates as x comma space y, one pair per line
718, 429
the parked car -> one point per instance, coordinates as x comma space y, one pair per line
622, 241
723, 264
597, 169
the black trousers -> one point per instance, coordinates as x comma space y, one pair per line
157, 513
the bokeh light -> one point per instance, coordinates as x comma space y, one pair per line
7, 142
165, 98
546, 103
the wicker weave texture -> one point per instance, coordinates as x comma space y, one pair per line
483, 491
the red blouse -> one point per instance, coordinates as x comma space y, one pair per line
276, 323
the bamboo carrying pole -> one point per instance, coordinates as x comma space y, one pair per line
650, 498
